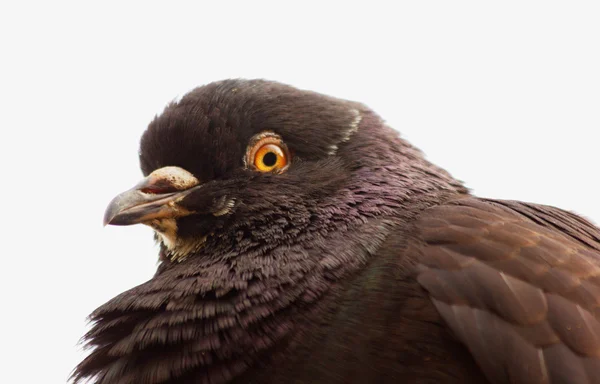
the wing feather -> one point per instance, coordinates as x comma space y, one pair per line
519, 285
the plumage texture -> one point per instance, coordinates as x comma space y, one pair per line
362, 263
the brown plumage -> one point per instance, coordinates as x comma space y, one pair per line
518, 284
359, 262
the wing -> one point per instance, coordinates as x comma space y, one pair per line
518, 284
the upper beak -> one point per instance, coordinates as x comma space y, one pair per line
155, 197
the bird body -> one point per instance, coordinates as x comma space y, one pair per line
303, 241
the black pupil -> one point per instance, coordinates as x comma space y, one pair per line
269, 159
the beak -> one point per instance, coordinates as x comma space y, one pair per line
155, 197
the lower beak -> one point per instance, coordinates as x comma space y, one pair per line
155, 197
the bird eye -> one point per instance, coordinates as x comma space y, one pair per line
267, 153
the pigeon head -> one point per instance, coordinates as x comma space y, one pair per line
241, 164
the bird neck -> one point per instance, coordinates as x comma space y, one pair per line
254, 307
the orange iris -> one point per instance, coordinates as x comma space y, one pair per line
270, 157
268, 153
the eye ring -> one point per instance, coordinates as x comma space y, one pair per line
267, 153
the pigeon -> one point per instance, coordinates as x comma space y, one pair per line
302, 240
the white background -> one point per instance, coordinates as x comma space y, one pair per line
506, 97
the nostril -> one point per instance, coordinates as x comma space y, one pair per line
168, 179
